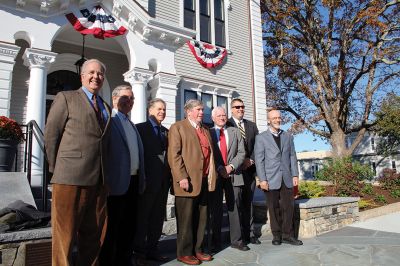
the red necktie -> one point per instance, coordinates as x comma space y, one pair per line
222, 146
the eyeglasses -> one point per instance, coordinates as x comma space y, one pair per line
237, 107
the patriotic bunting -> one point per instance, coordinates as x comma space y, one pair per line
98, 23
207, 55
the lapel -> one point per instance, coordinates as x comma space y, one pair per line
120, 128
231, 136
271, 139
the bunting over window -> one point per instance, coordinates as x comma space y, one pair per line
97, 22
209, 56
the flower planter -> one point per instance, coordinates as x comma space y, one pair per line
8, 149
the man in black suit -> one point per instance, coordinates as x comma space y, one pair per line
229, 150
248, 131
152, 203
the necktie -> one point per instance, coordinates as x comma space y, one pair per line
160, 136
99, 116
222, 146
242, 132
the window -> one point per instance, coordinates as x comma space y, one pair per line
189, 95
373, 144
207, 100
219, 22
208, 18
190, 14
223, 102
373, 165
394, 165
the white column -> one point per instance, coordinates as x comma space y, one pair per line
138, 79
39, 62
8, 53
168, 90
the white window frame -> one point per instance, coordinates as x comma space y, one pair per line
212, 16
203, 87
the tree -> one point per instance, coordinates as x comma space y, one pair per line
329, 62
388, 126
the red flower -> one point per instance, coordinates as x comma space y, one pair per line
9, 129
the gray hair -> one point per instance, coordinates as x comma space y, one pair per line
156, 100
192, 103
218, 108
86, 63
119, 88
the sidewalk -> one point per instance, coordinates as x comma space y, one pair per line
373, 242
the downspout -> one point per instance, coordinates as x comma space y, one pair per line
252, 65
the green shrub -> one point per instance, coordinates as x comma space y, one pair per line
367, 189
363, 203
395, 193
345, 175
389, 179
310, 189
380, 198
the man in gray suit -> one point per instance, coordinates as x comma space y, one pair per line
125, 180
152, 203
276, 164
229, 150
75, 138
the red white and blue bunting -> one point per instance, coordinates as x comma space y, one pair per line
207, 55
98, 23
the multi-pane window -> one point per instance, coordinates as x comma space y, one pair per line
205, 21
211, 20
190, 14
223, 102
219, 17
394, 165
207, 100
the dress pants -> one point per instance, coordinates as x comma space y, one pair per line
280, 203
246, 199
191, 220
78, 215
216, 211
122, 210
149, 222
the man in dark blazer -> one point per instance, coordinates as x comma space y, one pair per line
249, 131
152, 203
276, 164
191, 158
76, 135
125, 178
229, 156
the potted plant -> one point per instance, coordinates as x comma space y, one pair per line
10, 135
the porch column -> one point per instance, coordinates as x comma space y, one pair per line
138, 79
168, 90
8, 53
38, 62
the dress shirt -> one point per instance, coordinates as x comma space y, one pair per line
276, 134
132, 139
239, 121
193, 124
218, 132
99, 103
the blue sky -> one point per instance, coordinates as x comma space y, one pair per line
307, 142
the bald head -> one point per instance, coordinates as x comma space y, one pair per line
274, 120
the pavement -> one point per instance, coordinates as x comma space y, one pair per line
372, 242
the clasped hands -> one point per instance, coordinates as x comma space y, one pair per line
225, 171
265, 186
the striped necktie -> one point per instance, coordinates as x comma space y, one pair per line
242, 132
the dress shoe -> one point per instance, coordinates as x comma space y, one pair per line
241, 246
254, 240
190, 260
292, 241
157, 257
203, 256
141, 262
276, 241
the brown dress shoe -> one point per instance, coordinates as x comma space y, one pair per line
203, 256
190, 260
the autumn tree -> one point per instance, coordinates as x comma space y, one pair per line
388, 127
329, 63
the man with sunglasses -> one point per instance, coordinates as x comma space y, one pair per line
248, 130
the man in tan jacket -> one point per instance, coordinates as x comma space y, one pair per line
191, 159
76, 134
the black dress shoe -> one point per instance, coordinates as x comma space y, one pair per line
241, 246
276, 241
158, 257
292, 241
254, 240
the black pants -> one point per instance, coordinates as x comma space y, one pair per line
122, 210
246, 209
191, 220
280, 203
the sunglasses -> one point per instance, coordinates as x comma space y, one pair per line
237, 107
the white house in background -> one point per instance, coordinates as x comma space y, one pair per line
310, 162
39, 47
